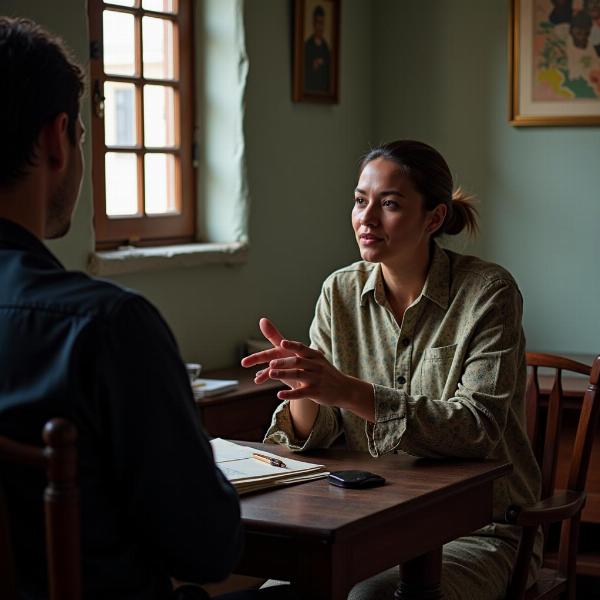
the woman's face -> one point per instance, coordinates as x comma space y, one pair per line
389, 217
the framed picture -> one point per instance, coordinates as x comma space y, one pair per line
555, 62
316, 63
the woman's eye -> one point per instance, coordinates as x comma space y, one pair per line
390, 204
360, 201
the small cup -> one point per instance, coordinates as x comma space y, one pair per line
193, 369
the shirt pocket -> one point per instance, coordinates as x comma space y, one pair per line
435, 371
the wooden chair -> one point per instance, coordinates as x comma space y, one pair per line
556, 505
61, 508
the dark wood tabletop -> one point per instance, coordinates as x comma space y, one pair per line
325, 539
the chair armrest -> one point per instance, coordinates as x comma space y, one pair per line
562, 505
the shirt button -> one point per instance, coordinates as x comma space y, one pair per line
401, 380
406, 341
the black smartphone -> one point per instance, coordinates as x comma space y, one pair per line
355, 479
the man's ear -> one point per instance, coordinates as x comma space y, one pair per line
436, 218
54, 141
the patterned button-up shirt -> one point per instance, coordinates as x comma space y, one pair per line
448, 381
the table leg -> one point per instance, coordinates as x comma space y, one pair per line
420, 578
322, 573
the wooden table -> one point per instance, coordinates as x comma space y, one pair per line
245, 414
325, 539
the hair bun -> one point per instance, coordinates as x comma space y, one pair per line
462, 213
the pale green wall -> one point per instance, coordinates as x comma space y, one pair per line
431, 69
301, 162
441, 76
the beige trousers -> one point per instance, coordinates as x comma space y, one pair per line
475, 567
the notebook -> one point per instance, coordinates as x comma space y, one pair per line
249, 474
203, 388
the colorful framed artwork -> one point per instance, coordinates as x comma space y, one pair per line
316, 64
555, 62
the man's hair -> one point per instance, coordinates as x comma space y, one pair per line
318, 12
39, 81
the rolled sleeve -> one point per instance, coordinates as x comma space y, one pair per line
325, 430
385, 434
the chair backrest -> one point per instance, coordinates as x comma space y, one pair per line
61, 511
546, 443
546, 446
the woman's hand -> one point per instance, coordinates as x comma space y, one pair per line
314, 377
303, 411
266, 356
309, 375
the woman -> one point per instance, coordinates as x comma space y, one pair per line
415, 349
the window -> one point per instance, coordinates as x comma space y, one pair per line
142, 121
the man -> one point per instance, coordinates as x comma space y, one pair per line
153, 503
317, 58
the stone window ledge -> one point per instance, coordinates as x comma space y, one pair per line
131, 259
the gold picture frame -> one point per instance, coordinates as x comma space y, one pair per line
554, 60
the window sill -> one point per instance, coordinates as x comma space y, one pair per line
135, 260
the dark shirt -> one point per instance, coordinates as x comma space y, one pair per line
317, 60
153, 504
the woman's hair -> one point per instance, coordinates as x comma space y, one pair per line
430, 175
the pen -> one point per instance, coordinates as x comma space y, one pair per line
274, 462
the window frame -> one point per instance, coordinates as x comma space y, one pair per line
144, 230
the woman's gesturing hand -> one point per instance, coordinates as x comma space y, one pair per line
258, 358
304, 411
310, 375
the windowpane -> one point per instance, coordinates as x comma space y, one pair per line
160, 5
120, 114
121, 2
119, 43
121, 184
160, 184
159, 48
159, 115
142, 164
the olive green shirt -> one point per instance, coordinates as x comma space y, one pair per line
449, 381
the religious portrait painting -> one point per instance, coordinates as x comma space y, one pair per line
555, 62
316, 51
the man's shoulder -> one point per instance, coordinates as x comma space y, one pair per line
98, 297
41, 286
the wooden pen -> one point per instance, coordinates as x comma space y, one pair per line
274, 462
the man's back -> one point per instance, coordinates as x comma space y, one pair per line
153, 504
